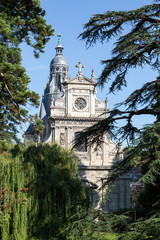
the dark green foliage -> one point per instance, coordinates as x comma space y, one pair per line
94, 224
144, 228
55, 192
23, 20
83, 224
39, 191
20, 21
37, 126
145, 153
137, 44
137, 47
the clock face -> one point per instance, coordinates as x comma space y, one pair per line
80, 103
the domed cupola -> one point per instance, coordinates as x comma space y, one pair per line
58, 69
54, 88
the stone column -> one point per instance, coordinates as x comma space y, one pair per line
69, 103
92, 103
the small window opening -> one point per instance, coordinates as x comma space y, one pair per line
81, 147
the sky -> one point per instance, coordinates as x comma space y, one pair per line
68, 18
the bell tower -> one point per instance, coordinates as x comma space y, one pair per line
54, 87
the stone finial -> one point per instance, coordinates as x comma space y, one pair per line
106, 102
93, 75
80, 66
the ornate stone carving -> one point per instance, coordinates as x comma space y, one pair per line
81, 78
80, 103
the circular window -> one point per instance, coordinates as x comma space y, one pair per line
80, 103
57, 68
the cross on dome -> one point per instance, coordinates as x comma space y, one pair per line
59, 38
80, 66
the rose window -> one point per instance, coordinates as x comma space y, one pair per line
80, 103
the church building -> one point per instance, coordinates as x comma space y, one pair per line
70, 105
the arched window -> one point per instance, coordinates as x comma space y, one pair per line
58, 81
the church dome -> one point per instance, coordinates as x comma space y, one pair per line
59, 59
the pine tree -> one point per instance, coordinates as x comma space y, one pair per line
20, 21
138, 47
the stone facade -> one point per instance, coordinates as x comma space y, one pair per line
70, 105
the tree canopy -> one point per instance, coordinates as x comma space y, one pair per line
136, 46
39, 191
20, 21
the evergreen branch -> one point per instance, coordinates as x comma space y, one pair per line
142, 154
148, 94
95, 28
140, 46
94, 134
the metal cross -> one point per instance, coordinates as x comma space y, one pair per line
80, 66
59, 38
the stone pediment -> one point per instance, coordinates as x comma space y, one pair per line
80, 79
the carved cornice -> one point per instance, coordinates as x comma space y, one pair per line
104, 168
81, 119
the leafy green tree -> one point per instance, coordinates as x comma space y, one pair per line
137, 46
13, 197
20, 21
55, 192
39, 191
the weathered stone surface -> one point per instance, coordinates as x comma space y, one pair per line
69, 106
